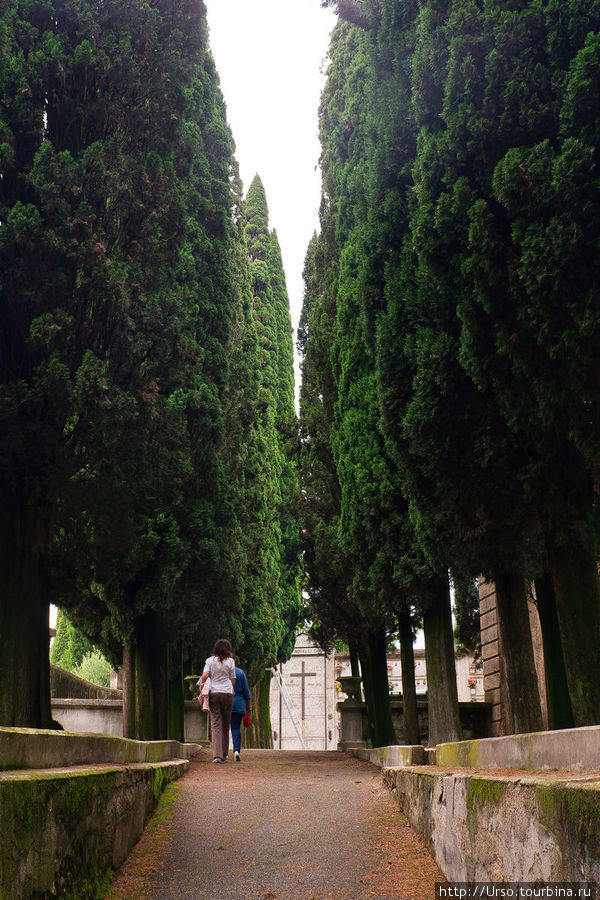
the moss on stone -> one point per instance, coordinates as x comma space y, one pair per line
573, 810
459, 753
92, 885
484, 791
62, 825
158, 783
425, 782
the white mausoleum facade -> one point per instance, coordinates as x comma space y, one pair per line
309, 677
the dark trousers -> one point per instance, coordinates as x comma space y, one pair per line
220, 717
236, 730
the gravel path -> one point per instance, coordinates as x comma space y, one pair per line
279, 825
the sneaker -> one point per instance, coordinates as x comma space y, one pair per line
236, 755
217, 759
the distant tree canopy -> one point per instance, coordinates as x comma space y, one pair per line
450, 336
69, 646
126, 306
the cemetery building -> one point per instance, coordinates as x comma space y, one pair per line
305, 693
303, 700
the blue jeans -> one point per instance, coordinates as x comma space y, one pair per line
236, 730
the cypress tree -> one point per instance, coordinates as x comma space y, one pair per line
458, 456
272, 588
123, 189
528, 335
327, 568
69, 645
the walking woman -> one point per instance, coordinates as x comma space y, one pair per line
220, 668
241, 707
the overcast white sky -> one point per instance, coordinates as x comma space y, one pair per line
270, 55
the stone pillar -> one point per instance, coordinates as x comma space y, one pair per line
490, 654
493, 687
353, 725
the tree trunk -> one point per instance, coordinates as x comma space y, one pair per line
442, 695
176, 698
128, 706
574, 570
147, 682
373, 662
265, 734
517, 666
559, 703
251, 735
409, 690
24, 611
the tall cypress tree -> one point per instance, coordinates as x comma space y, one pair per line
272, 588
455, 457
368, 180
327, 567
529, 330
125, 188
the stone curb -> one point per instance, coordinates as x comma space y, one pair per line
393, 755
570, 749
28, 748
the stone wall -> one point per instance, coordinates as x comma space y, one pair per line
504, 829
520, 808
66, 684
490, 654
106, 717
65, 834
64, 831
474, 717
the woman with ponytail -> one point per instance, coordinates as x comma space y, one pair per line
220, 668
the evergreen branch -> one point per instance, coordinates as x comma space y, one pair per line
357, 12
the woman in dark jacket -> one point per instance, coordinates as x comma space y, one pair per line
242, 704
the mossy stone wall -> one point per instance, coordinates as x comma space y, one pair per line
64, 833
500, 828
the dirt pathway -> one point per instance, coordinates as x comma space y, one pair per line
279, 825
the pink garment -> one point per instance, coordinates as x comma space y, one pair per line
203, 695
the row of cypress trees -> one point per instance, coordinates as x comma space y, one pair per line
147, 441
449, 407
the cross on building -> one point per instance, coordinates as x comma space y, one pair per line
303, 675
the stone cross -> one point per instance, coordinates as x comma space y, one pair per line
303, 675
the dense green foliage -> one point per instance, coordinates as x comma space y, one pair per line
94, 667
266, 452
69, 646
125, 306
384, 572
456, 324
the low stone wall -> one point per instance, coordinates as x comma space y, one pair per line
63, 834
98, 716
569, 748
521, 808
29, 748
66, 684
64, 831
91, 716
394, 755
522, 828
474, 718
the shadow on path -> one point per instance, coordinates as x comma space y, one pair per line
279, 825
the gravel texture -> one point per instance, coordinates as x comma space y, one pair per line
279, 825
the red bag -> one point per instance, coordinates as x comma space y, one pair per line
246, 720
